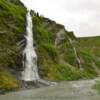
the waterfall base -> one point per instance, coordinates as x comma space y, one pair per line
37, 84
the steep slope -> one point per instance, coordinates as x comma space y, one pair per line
12, 30
60, 54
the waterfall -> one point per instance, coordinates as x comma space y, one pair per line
30, 72
76, 54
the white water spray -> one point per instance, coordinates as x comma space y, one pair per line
30, 72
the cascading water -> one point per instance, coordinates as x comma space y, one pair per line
75, 52
30, 72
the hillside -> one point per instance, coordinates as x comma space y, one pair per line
91, 44
12, 30
61, 56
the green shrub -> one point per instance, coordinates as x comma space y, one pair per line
7, 81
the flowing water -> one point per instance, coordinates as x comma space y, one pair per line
76, 55
73, 90
30, 72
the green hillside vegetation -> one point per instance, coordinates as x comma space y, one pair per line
61, 56
12, 29
91, 44
58, 61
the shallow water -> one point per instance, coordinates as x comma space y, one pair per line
74, 90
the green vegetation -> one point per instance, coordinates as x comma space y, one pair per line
7, 81
91, 44
12, 29
57, 59
58, 62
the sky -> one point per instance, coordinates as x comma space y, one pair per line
80, 16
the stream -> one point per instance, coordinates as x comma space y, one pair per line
66, 90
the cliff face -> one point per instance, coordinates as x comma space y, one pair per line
61, 56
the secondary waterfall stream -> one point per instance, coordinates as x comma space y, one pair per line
75, 53
30, 72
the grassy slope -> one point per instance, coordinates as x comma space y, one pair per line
12, 28
55, 61
58, 62
91, 44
